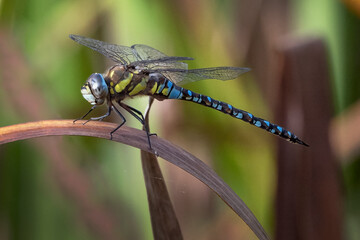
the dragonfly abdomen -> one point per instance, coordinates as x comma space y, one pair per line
170, 90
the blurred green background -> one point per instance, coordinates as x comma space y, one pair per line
85, 188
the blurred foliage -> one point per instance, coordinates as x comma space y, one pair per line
33, 201
339, 24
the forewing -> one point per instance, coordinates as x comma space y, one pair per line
143, 56
117, 53
145, 52
183, 76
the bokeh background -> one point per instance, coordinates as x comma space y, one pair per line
85, 188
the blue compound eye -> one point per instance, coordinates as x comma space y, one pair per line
98, 85
95, 89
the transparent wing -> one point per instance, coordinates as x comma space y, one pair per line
183, 76
154, 59
140, 55
162, 63
120, 54
145, 52
147, 58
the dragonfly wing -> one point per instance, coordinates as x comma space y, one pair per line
138, 55
164, 63
145, 57
120, 54
145, 52
117, 53
161, 61
183, 76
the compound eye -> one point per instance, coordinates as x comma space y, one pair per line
98, 86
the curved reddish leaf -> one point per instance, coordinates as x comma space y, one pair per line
137, 138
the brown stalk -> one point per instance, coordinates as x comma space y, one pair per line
164, 222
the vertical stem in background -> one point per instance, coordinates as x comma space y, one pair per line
163, 219
308, 196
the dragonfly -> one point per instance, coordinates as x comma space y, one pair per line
141, 70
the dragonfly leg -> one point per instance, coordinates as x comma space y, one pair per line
139, 116
122, 117
101, 117
92, 108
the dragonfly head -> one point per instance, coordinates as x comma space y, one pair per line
95, 89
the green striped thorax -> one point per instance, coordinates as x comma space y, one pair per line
95, 89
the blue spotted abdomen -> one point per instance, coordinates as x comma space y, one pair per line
168, 90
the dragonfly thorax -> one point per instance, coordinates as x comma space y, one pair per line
116, 73
95, 90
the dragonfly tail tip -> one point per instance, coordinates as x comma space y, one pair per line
302, 143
